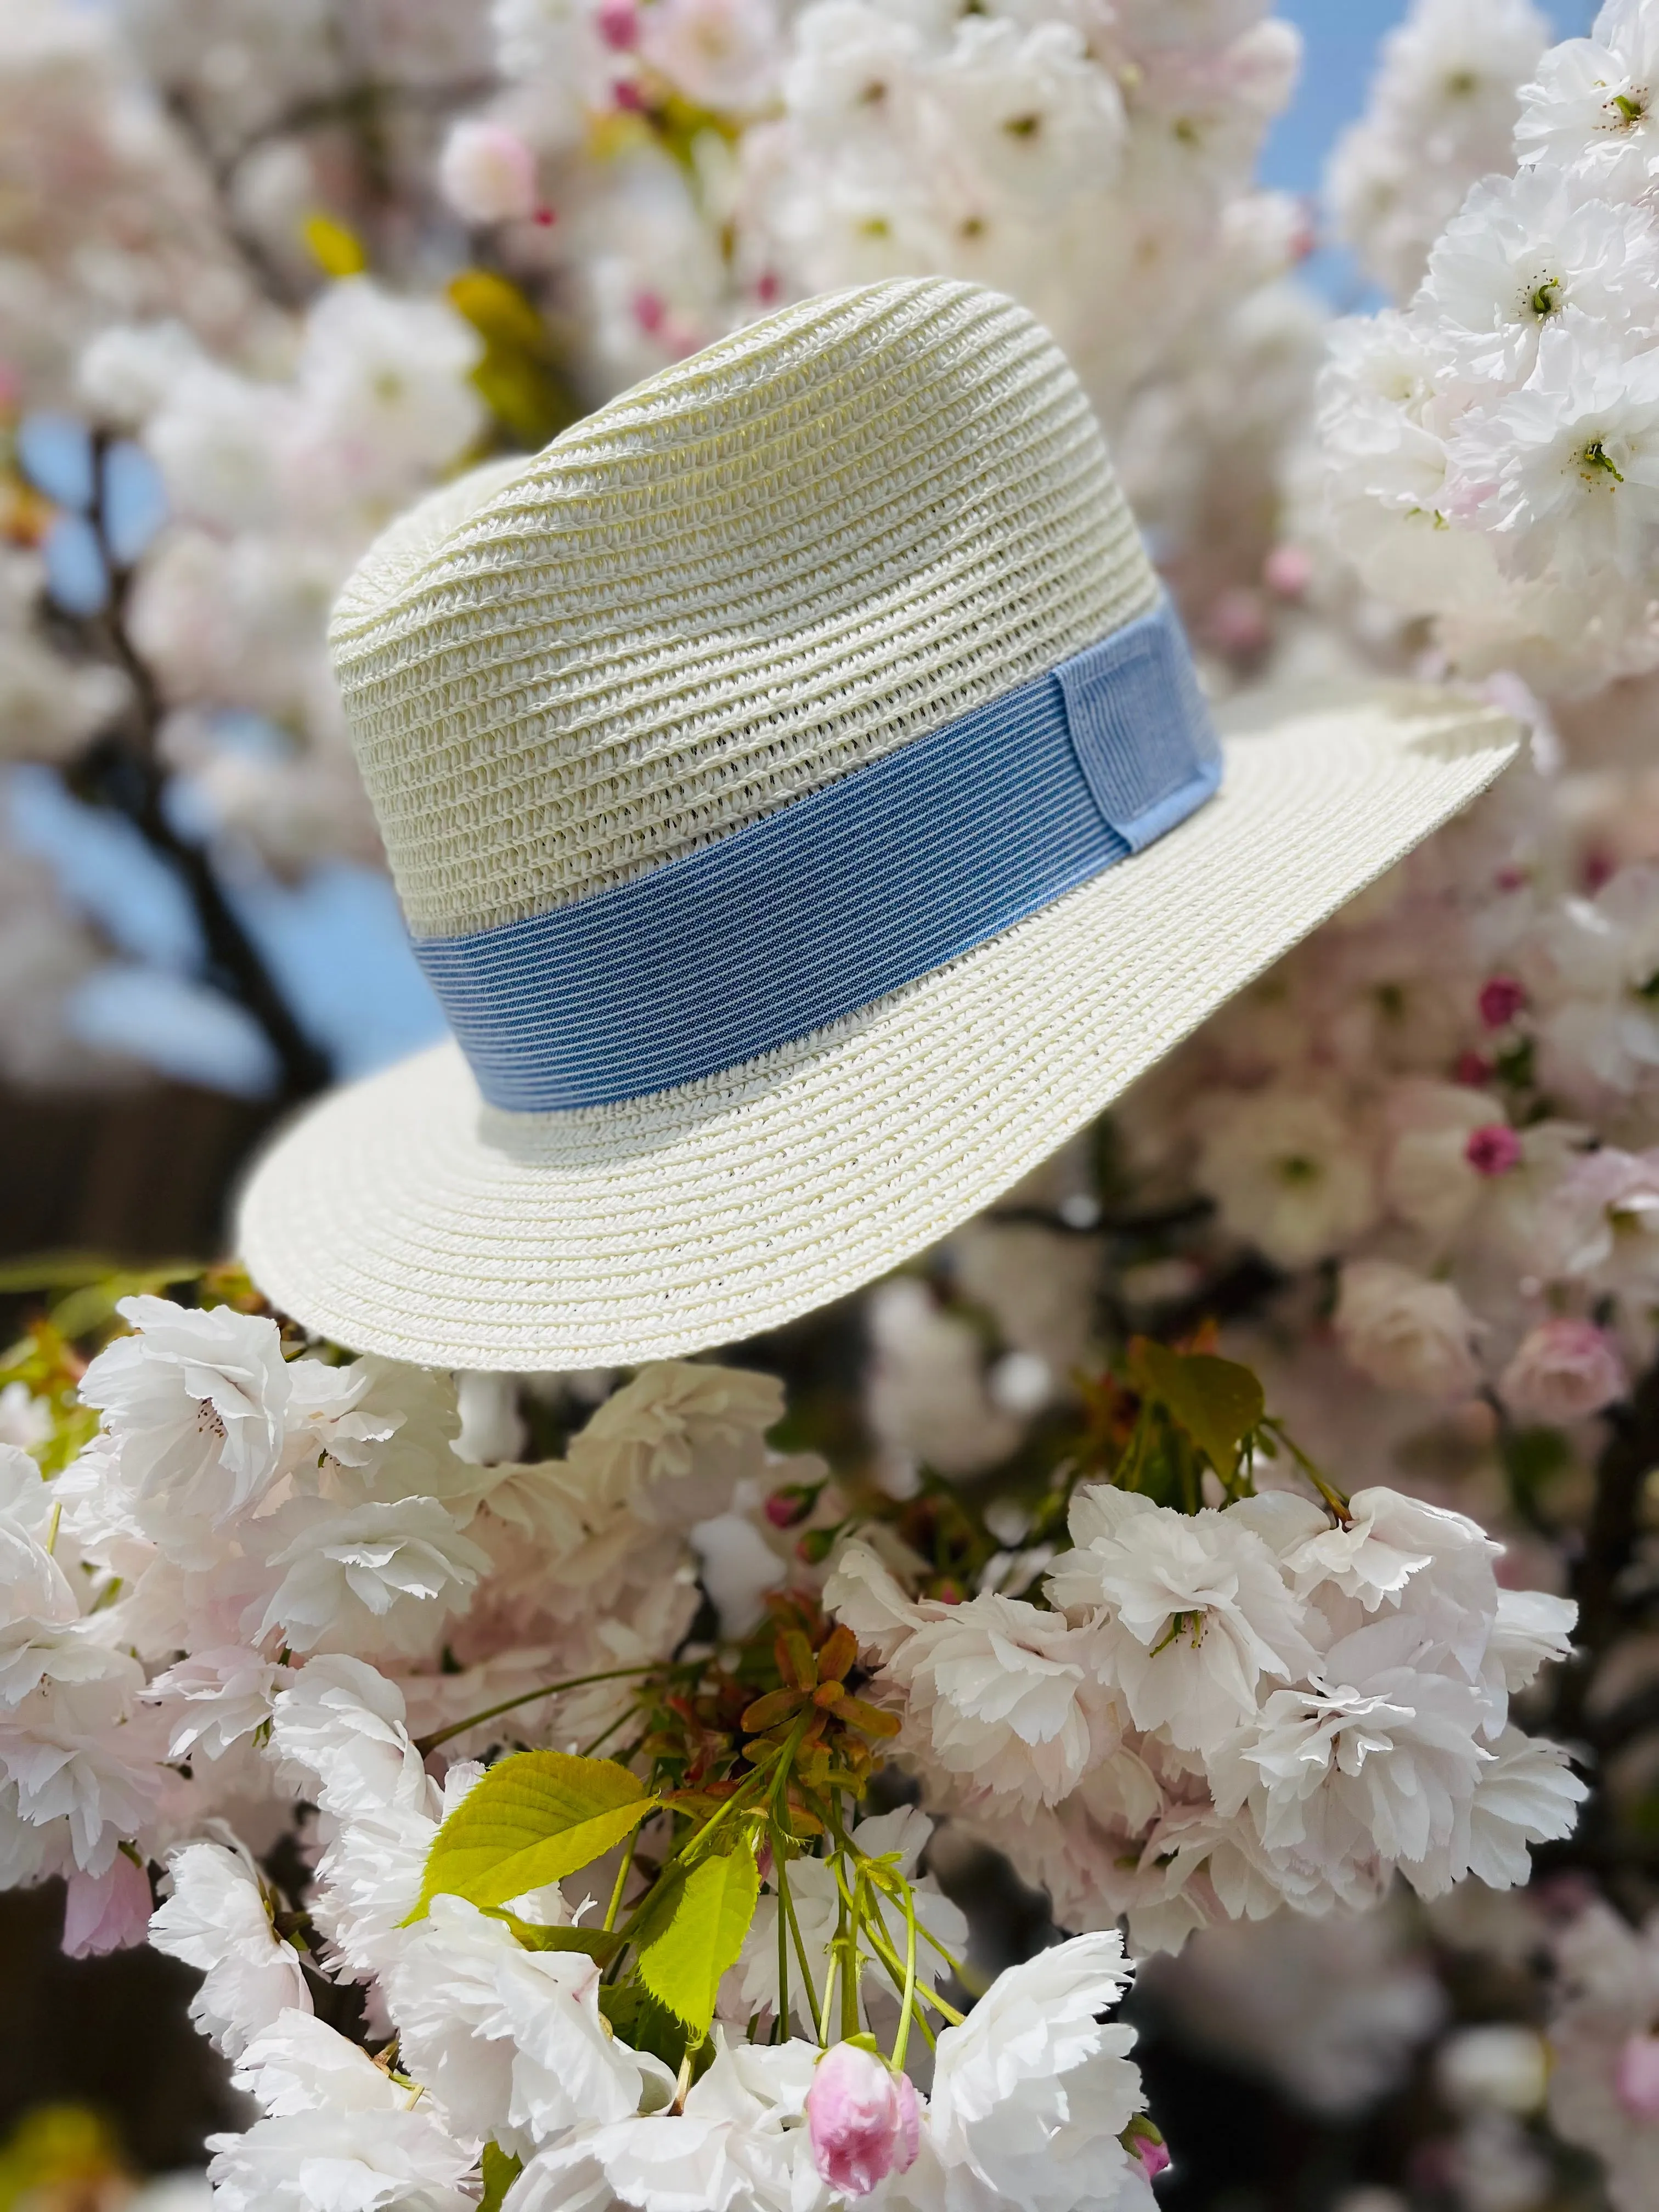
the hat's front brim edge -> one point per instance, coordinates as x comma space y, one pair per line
403, 1215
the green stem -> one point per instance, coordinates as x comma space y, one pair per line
908, 1999
858, 1851
843, 1957
588, 1750
780, 2027
786, 1758
623, 1873
424, 1744
925, 1993
1328, 1491
787, 1904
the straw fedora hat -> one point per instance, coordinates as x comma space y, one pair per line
802, 803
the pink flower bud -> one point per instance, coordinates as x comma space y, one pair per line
1636, 2077
862, 2118
1142, 2140
789, 1507
618, 25
1563, 1371
488, 173
1154, 2156
1493, 1149
1501, 1001
1288, 571
106, 1911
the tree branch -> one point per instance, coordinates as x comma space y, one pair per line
122, 771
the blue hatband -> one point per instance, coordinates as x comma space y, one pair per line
783, 925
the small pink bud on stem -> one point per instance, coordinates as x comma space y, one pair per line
1493, 1149
1501, 1001
862, 2119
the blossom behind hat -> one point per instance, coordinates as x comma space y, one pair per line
800, 799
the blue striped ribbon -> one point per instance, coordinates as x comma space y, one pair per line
786, 924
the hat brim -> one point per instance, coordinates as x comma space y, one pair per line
402, 1215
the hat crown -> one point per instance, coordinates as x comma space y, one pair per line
830, 534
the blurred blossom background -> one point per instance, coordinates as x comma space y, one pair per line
1364, 297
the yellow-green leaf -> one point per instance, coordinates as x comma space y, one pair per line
501, 2169
335, 246
497, 309
682, 1964
1217, 1402
533, 1819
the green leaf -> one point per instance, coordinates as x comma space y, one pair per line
500, 2169
533, 1819
1217, 1402
635, 2015
600, 1943
681, 1965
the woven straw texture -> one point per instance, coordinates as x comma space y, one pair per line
404, 1216
825, 535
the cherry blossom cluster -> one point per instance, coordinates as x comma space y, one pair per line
171, 276
1488, 449
566, 1763
274, 484
1449, 1100
1604, 2048
1216, 1714
106, 216
1433, 1132
1441, 115
337, 1578
1072, 152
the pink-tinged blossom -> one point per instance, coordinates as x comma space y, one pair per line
1564, 1371
1187, 1615
1290, 1173
864, 2120
1636, 2077
108, 1912
997, 1692
1601, 1224
1604, 2077
197, 1401
1405, 1332
723, 54
489, 172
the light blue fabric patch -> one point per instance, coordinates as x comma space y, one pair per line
784, 925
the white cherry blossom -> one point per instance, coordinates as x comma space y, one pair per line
1188, 1615
215, 1917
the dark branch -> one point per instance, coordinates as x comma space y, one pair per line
122, 770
